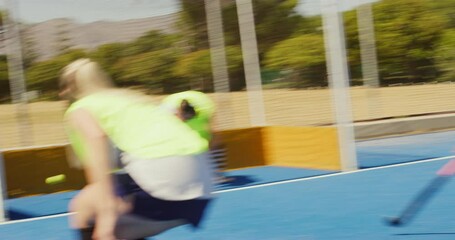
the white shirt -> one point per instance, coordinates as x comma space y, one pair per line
173, 178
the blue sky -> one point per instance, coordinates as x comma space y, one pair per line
94, 10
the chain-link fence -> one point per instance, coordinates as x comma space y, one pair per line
264, 62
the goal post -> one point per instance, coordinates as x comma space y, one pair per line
3, 192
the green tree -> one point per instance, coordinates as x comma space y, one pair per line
108, 55
195, 67
353, 46
446, 8
44, 75
275, 21
303, 57
4, 80
192, 24
151, 41
445, 56
406, 38
151, 69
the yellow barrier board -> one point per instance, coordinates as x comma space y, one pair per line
304, 147
26, 171
244, 147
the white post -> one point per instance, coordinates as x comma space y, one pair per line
216, 41
14, 53
3, 192
251, 62
368, 57
339, 81
15, 70
218, 60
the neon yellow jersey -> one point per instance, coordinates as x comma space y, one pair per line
136, 126
203, 105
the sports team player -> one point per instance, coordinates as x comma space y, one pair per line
168, 178
197, 109
443, 176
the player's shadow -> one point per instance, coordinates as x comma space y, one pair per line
17, 215
237, 181
424, 234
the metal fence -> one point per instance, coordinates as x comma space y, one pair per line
264, 62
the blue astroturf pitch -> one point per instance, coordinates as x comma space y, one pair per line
286, 203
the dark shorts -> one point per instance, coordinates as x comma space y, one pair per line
149, 207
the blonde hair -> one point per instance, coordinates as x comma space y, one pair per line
87, 77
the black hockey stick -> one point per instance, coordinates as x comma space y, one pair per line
418, 202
